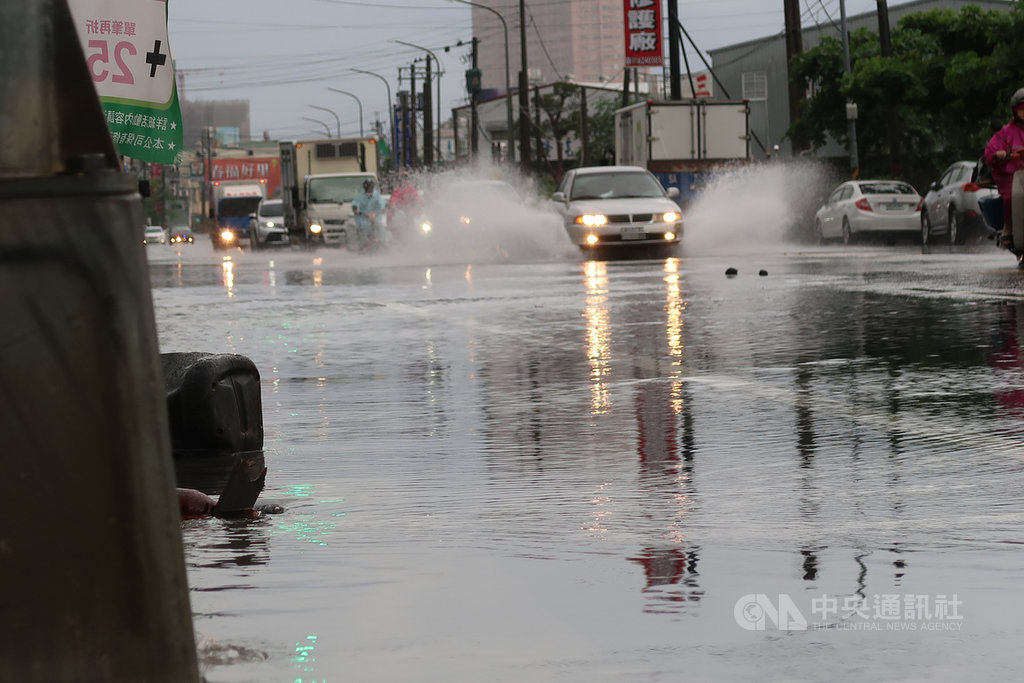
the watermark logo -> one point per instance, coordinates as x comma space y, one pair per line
883, 612
756, 611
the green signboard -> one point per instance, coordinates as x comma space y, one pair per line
128, 55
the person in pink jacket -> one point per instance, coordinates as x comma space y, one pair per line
1005, 155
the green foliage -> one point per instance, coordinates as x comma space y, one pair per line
951, 72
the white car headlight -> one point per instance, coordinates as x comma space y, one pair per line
426, 227
315, 228
227, 236
592, 220
670, 217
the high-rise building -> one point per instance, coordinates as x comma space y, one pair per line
579, 39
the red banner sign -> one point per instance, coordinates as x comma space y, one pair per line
249, 168
643, 32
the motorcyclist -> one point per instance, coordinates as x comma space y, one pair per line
367, 208
1005, 155
405, 204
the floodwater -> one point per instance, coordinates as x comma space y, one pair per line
553, 469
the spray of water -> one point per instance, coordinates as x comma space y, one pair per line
754, 208
480, 214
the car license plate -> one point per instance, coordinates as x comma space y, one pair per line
632, 233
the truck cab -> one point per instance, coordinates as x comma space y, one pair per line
330, 204
232, 205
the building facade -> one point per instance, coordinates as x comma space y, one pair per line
580, 40
756, 70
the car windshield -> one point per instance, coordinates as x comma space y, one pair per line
886, 188
337, 189
612, 185
272, 209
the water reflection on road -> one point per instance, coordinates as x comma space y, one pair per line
561, 469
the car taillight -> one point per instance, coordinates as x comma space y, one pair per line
920, 204
971, 187
863, 205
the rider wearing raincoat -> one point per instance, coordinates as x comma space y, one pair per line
367, 211
1004, 154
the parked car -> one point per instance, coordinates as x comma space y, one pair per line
951, 206
181, 234
869, 207
618, 207
266, 225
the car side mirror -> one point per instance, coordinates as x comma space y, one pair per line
252, 216
936, 185
673, 192
558, 197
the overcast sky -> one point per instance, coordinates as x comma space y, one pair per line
284, 55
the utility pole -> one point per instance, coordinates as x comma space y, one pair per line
428, 124
412, 115
794, 46
474, 121
893, 129
524, 95
851, 107
674, 45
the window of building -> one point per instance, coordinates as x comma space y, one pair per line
755, 85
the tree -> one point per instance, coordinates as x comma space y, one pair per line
951, 72
562, 109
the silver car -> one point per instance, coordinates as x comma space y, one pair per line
617, 207
266, 226
951, 206
869, 207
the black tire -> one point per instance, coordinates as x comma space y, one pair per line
956, 236
847, 232
926, 229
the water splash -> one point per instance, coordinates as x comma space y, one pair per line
749, 209
482, 214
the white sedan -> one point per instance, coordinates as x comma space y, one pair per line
154, 234
617, 206
860, 207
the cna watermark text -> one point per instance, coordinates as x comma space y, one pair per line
879, 612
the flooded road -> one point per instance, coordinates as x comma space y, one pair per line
562, 470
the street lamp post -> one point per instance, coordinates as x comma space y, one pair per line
336, 119
391, 112
510, 150
358, 101
326, 127
437, 88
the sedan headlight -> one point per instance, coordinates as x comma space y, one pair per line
670, 217
315, 228
592, 220
227, 236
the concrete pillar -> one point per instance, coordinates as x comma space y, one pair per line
91, 556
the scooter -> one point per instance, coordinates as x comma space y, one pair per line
992, 208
